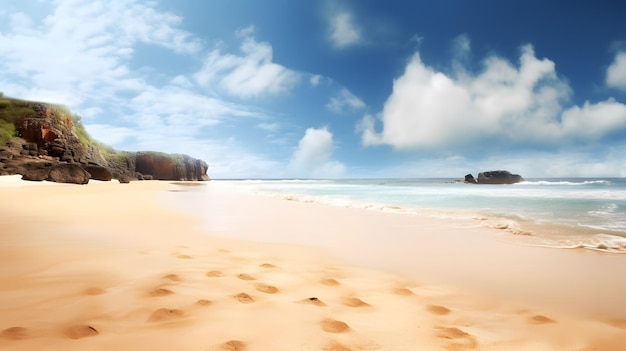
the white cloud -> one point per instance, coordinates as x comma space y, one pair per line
593, 121
313, 157
345, 100
616, 73
315, 80
343, 31
270, 127
461, 46
108, 134
505, 104
184, 106
80, 50
252, 74
245, 32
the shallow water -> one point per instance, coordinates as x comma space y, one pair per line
561, 213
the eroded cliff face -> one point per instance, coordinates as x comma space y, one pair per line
47, 136
170, 166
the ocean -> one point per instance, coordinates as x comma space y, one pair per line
559, 213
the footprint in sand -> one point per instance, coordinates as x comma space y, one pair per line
244, 298
335, 346
541, 319
93, 291
223, 251
203, 302
165, 314
334, 326
160, 292
312, 301
184, 257
81, 331
244, 276
267, 265
458, 338
172, 277
214, 274
329, 282
354, 302
234, 345
268, 289
403, 292
437, 309
15, 333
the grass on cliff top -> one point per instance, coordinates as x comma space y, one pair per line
7, 132
175, 158
11, 110
61, 113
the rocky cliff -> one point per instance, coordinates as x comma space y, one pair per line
38, 140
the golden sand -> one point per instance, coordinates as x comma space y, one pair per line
108, 267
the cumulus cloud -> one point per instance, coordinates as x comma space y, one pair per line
313, 157
80, 51
345, 100
251, 74
616, 73
343, 30
504, 103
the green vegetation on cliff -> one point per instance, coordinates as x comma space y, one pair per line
12, 110
7, 132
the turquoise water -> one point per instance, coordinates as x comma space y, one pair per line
561, 212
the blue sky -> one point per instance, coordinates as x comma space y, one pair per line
273, 89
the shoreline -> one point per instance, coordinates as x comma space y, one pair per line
461, 251
110, 266
514, 228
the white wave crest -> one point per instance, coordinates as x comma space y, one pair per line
566, 182
597, 242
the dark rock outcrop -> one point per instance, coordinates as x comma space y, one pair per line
37, 174
498, 177
470, 179
69, 173
98, 172
48, 137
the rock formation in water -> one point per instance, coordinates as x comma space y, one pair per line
45, 142
494, 177
469, 178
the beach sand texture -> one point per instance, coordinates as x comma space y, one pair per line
110, 267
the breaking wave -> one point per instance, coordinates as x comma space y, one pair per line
598, 242
565, 182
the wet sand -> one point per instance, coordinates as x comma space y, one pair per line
111, 266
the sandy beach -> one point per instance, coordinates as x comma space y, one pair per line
108, 266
